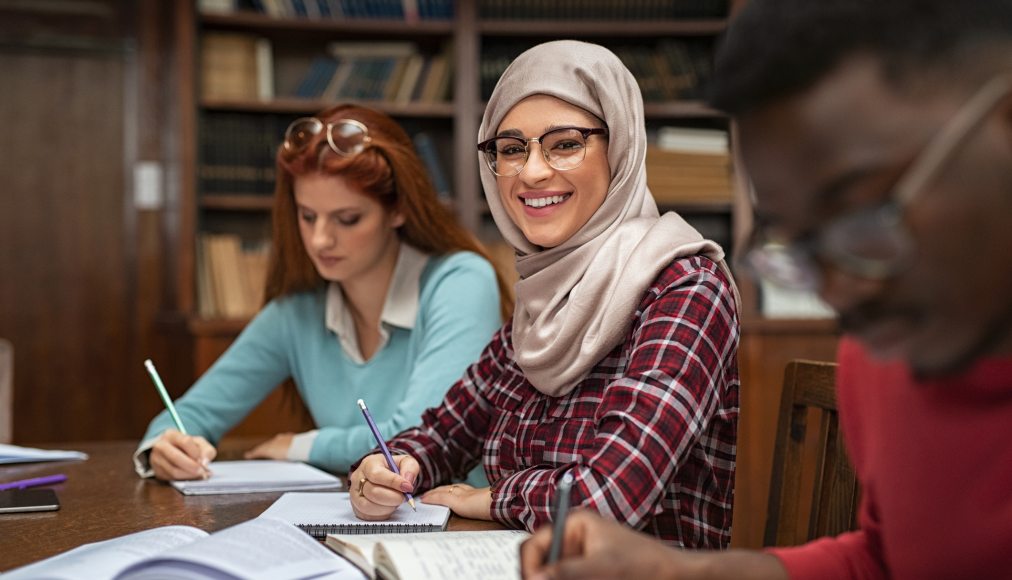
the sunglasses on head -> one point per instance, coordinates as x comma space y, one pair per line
346, 137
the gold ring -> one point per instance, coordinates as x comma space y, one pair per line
453, 488
361, 487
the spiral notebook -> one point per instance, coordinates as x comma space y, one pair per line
320, 514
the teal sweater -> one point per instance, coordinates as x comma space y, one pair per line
458, 311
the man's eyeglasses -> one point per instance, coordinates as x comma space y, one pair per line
873, 243
563, 148
347, 137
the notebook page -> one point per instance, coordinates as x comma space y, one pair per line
333, 511
18, 454
252, 476
490, 555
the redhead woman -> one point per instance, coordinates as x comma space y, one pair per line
619, 365
374, 291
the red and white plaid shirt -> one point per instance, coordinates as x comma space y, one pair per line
649, 434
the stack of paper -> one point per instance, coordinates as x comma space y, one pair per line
16, 454
257, 476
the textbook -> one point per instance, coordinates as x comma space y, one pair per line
260, 548
320, 514
490, 555
256, 475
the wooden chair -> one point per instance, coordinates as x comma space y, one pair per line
6, 391
832, 505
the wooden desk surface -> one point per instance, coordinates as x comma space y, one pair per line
103, 498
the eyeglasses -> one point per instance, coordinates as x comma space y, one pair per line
873, 243
563, 148
347, 137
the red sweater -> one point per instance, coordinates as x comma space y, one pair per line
934, 459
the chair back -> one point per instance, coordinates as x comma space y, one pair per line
6, 391
831, 508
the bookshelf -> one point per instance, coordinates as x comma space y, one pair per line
478, 32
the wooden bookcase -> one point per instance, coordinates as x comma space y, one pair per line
766, 344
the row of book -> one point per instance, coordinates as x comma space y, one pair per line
381, 71
689, 165
410, 10
666, 70
602, 9
237, 153
230, 277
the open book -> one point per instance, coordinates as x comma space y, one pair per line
251, 476
320, 514
261, 548
491, 555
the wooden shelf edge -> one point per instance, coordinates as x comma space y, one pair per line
215, 326
391, 26
682, 27
761, 325
681, 109
308, 106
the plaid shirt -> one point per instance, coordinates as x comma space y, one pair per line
649, 434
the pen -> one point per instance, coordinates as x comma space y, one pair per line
165, 395
383, 448
559, 517
23, 483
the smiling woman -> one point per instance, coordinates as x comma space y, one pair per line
619, 365
374, 292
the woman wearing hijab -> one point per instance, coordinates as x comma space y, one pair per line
619, 364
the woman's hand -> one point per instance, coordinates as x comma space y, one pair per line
376, 492
175, 456
463, 500
274, 448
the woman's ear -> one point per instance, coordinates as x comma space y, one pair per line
396, 218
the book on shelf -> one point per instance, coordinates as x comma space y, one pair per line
488, 555
230, 279
688, 165
256, 476
426, 148
408, 10
259, 548
236, 66
634, 10
319, 514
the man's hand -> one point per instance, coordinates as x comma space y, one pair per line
376, 492
463, 500
593, 547
175, 456
274, 448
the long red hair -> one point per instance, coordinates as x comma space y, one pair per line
390, 171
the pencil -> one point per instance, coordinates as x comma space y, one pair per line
559, 519
383, 448
165, 395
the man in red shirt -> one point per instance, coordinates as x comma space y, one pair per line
878, 136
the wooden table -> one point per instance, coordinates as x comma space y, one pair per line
103, 498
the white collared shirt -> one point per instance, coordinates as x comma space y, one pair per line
400, 308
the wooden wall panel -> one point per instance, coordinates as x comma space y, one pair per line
80, 268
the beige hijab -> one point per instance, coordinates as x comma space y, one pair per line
575, 302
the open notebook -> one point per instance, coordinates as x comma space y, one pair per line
489, 555
17, 454
253, 476
320, 514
